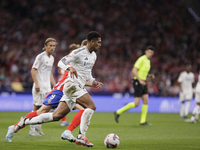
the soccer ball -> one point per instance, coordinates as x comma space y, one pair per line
111, 141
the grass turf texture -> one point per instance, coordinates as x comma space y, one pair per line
168, 132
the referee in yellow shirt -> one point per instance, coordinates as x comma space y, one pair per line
140, 71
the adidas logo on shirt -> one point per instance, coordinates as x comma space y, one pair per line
86, 58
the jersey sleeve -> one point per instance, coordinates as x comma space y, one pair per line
64, 63
37, 62
138, 63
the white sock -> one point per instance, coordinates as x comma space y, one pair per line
187, 108
39, 126
85, 121
182, 110
43, 118
192, 118
32, 127
195, 110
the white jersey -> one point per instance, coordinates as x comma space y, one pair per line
186, 80
83, 61
197, 89
43, 63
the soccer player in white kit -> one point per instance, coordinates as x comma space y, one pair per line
61, 72
43, 78
196, 110
186, 80
82, 60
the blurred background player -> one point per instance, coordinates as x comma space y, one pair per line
195, 113
43, 78
61, 72
140, 72
185, 80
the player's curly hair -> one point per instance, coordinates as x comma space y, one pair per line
93, 35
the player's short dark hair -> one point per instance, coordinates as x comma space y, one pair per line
93, 35
150, 47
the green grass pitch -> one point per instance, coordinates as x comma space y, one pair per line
168, 132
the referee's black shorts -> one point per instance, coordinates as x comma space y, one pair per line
139, 89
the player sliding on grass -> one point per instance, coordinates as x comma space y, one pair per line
82, 60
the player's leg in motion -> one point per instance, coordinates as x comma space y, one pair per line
11, 129
67, 135
182, 110
187, 107
182, 100
195, 113
143, 120
139, 92
59, 113
126, 107
87, 102
38, 98
33, 131
11, 132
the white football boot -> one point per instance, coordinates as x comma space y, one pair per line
10, 133
67, 135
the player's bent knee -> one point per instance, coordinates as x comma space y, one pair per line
94, 107
57, 117
137, 104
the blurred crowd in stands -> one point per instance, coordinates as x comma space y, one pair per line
127, 27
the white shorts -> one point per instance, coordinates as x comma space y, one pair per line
197, 97
185, 96
71, 92
38, 97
